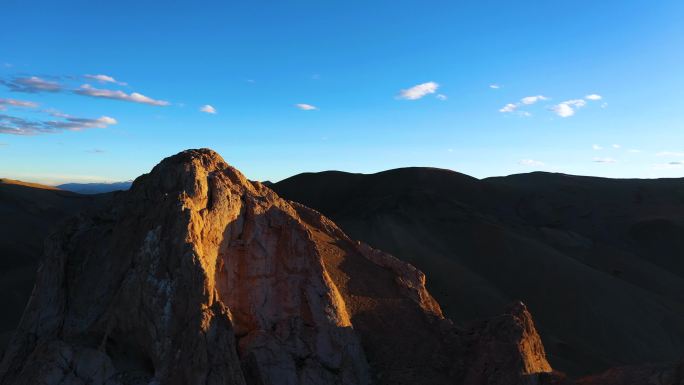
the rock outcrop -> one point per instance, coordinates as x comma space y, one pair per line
197, 275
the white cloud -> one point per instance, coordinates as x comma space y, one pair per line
510, 107
208, 109
104, 79
568, 107
16, 103
596, 147
594, 97
528, 100
306, 107
604, 160
617, 146
531, 163
418, 91
563, 110
494, 86
441, 97
670, 153
135, 97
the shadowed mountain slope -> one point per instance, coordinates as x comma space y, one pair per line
599, 262
28, 211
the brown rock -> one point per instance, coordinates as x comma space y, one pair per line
199, 276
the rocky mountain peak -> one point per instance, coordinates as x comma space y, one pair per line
198, 276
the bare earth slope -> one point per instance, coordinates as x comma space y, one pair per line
198, 276
28, 212
598, 261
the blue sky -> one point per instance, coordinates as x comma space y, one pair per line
481, 87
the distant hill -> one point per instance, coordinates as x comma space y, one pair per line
95, 188
28, 212
600, 262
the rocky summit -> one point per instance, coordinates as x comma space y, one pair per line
197, 275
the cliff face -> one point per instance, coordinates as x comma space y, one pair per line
199, 276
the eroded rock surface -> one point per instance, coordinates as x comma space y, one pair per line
199, 276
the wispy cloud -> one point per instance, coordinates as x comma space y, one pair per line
526, 101
494, 86
668, 165
531, 163
670, 153
596, 147
19, 126
604, 160
510, 107
104, 79
529, 100
594, 97
96, 151
418, 91
616, 146
442, 97
209, 109
4, 103
306, 107
32, 84
88, 90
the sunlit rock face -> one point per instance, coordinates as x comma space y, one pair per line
197, 275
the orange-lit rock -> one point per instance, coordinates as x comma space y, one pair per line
199, 276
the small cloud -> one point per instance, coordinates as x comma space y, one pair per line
670, 153
250, 81
441, 97
596, 147
32, 84
19, 126
510, 107
568, 107
604, 160
563, 110
135, 97
306, 107
616, 146
104, 79
526, 101
96, 151
593, 97
450, 150
529, 100
208, 109
604, 105
418, 91
531, 163
16, 103
494, 86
